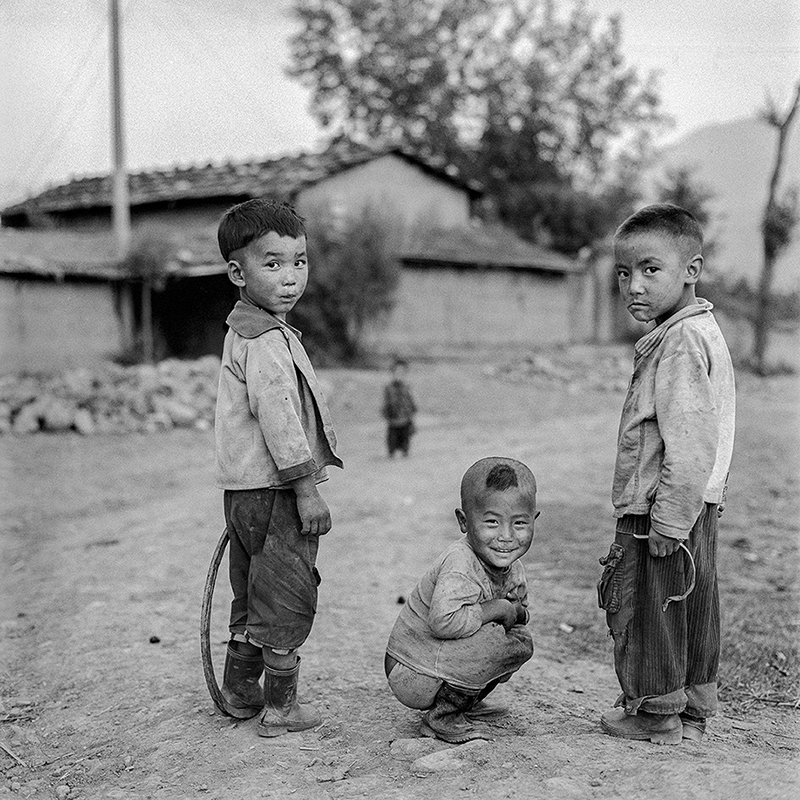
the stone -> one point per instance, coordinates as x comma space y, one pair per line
411, 748
58, 415
443, 761
83, 422
62, 791
28, 419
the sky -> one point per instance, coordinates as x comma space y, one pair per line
204, 80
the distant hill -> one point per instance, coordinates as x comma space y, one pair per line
735, 159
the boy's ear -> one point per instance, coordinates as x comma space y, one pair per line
235, 273
462, 520
694, 269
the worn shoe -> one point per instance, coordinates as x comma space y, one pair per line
486, 710
447, 720
282, 713
694, 728
241, 691
658, 728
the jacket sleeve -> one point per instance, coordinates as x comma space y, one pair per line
274, 400
455, 610
688, 421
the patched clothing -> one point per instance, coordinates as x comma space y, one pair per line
676, 432
272, 422
439, 634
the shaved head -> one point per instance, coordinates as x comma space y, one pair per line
495, 474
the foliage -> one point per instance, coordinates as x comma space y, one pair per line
512, 92
352, 277
150, 253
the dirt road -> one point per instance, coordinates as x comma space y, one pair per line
106, 541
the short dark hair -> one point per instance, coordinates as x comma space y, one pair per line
243, 223
496, 473
663, 218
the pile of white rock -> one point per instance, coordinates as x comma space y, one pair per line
112, 399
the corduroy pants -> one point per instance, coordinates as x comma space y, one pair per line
666, 659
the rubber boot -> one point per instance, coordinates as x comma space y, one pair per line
658, 728
483, 709
694, 728
282, 713
240, 688
445, 720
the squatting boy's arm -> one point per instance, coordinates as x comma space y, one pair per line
688, 422
503, 611
455, 611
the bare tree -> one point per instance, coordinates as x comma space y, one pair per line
780, 216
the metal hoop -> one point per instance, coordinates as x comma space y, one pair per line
205, 624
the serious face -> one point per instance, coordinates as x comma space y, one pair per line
499, 525
656, 275
271, 271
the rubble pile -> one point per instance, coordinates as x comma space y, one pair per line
112, 399
577, 368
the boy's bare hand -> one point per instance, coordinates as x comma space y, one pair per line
520, 606
315, 515
502, 611
660, 546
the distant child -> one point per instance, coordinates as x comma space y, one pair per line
398, 410
659, 585
463, 631
274, 439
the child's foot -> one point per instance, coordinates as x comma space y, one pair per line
694, 728
454, 729
658, 728
485, 710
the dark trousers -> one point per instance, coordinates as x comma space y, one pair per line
398, 437
666, 659
272, 568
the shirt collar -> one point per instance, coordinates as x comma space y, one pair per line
250, 321
651, 340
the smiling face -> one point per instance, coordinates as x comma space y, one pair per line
271, 272
656, 274
499, 524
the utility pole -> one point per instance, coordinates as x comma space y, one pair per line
120, 206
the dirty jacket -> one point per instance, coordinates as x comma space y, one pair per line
272, 422
676, 432
446, 605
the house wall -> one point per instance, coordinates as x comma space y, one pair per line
45, 324
393, 186
450, 310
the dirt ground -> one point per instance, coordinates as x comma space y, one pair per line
105, 542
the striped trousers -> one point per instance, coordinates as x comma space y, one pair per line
666, 659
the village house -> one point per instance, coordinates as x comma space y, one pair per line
463, 285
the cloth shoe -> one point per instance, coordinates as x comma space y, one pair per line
241, 692
282, 713
658, 728
694, 728
446, 719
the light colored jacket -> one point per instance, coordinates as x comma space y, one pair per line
676, 432
272, 422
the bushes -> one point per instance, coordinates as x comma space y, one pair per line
352, 277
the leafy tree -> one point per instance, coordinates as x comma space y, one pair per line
351, 283
513, 92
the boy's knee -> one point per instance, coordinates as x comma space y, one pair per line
279, 658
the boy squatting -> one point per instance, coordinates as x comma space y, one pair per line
274, 439
659, 585
463, 630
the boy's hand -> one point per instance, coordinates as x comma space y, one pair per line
502, 611
660, 546
315, 515
521, 607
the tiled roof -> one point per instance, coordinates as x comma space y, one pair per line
194, 251
488, 246
283, 176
